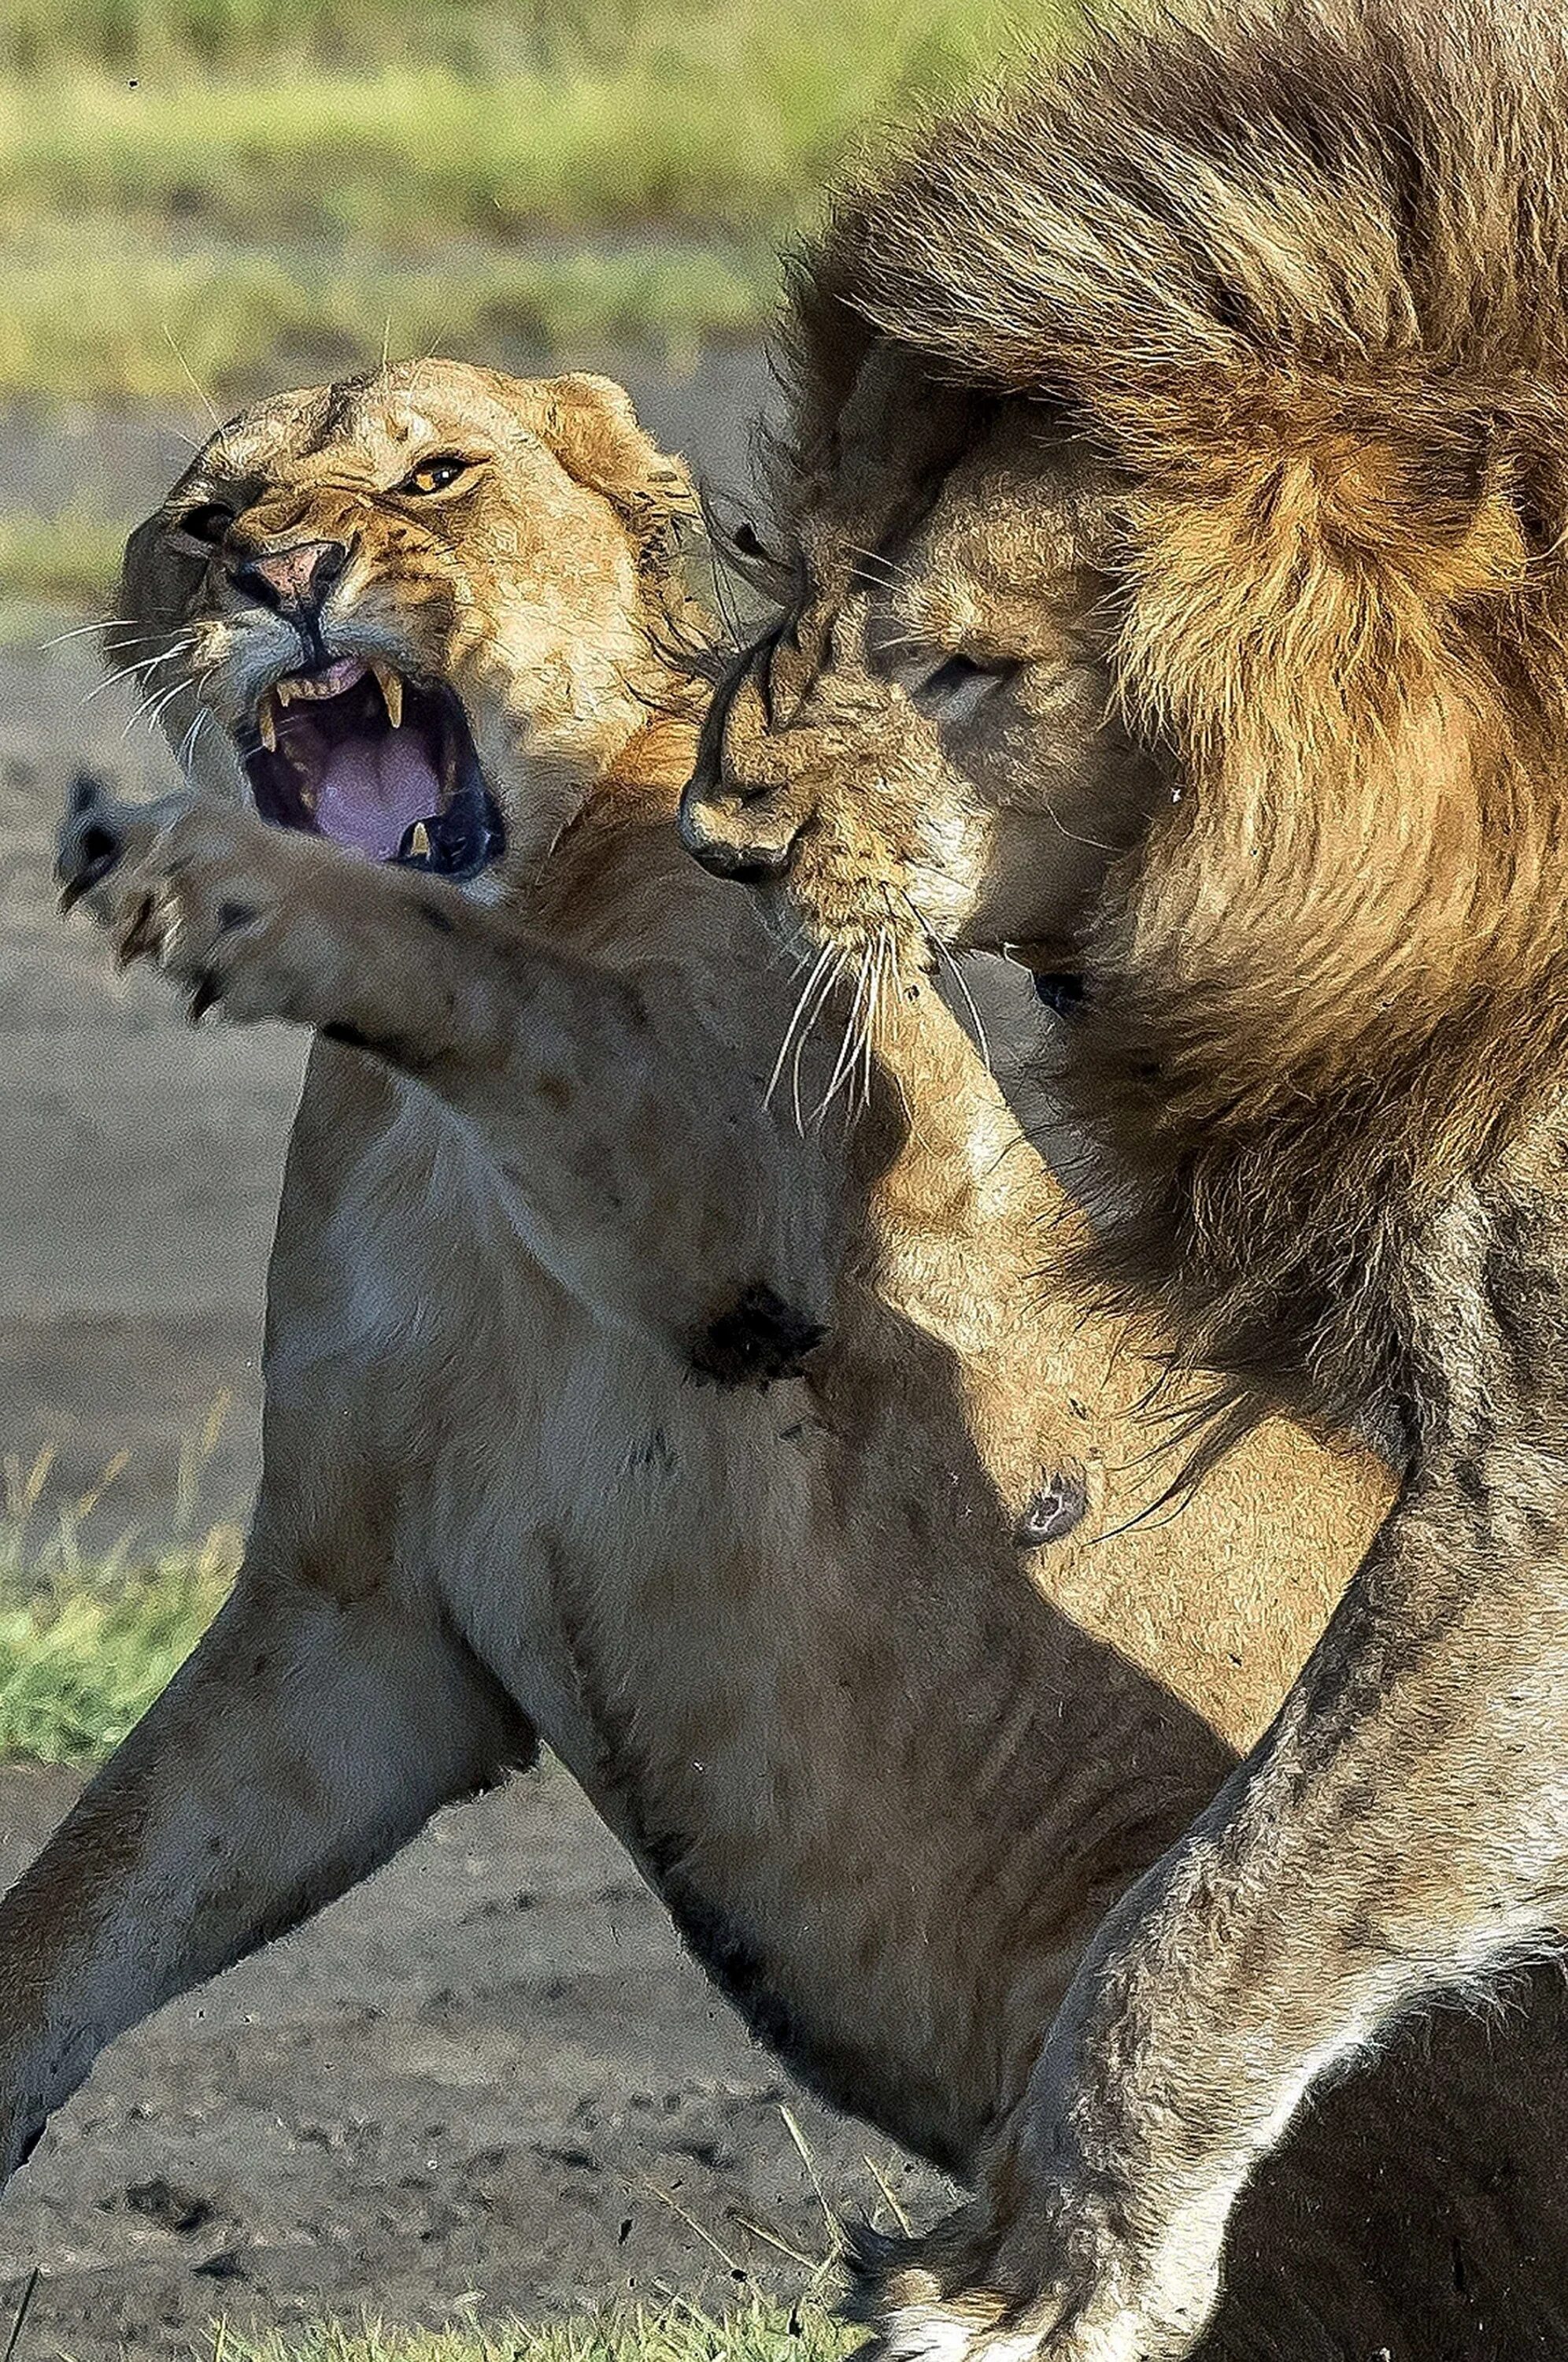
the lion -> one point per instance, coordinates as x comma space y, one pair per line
1175, 594
620, 1394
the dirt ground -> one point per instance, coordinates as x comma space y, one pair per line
487, 2074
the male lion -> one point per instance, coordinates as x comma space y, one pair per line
1180, 524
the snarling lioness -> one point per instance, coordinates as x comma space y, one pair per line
1180, 596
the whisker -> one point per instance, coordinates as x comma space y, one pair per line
796, 1015
955, 971
109, 624
892, 573
887, 958
845, 1066
188, 744
834, 973
127, 672
203, 396
152, 706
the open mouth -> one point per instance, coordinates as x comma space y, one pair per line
382, 765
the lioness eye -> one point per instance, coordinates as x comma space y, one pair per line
958, 685
434, 475
207, 523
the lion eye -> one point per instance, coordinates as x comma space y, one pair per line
434, 475
957, 685
207, 522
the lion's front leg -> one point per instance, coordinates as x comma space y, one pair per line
1403, 1828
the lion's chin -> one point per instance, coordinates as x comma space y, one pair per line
385, 767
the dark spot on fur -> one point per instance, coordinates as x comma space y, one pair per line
555, 1092
236, 914
1470, 1481
434, 916
1543, 1531
761, 1339
1055, 1509
98, 849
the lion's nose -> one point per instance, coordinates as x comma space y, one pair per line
750, 841
291, 583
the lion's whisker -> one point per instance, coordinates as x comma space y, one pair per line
188, 744
849, 1049
109, 624
796, 1017
833, 975
956, 973
143, 665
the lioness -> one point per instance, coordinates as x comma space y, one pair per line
1180, 533
608, 1398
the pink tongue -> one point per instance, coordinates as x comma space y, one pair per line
372, 791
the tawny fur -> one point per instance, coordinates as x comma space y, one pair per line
1179, 591
887, 1762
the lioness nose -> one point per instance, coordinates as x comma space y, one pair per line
291, 581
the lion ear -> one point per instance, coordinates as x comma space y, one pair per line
595, 431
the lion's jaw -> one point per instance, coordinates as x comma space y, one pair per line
483, 648
928, 744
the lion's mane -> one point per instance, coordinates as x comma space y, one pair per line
1301, 272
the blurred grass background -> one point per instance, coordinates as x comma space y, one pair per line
90, 1632
238, 190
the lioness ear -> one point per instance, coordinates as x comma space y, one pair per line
593, 429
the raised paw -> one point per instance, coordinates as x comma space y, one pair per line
206, 892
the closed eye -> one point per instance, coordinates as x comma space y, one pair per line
958, 687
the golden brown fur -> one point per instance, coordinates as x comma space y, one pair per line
888, 1757
1277, 275
1181, 593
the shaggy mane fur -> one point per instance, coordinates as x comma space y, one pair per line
1301, 272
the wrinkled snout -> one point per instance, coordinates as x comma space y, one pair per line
748, 800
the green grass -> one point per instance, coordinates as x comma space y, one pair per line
727, 114
267, 188
128, 314
758, 2332
88, 1635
